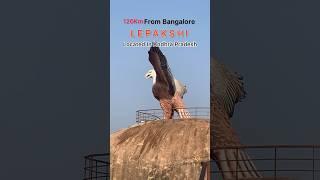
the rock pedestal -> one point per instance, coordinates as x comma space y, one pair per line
160, 150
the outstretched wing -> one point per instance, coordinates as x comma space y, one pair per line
165, 69
227, 86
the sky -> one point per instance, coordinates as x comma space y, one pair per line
129, 90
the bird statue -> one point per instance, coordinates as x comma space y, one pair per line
164, 89
181, 89
227, 89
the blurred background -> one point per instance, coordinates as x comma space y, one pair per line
54, 77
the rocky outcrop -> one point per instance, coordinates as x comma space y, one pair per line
160, 150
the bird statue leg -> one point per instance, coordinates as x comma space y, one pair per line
233, 163
179, 106
166, 106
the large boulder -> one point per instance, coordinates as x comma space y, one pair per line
160, 150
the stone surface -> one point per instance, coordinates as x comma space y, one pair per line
160, 150
265, 178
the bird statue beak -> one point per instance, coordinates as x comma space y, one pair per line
147, 76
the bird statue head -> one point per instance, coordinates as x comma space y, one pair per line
150, 74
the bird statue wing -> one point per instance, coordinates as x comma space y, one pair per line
166, 69
227, 87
